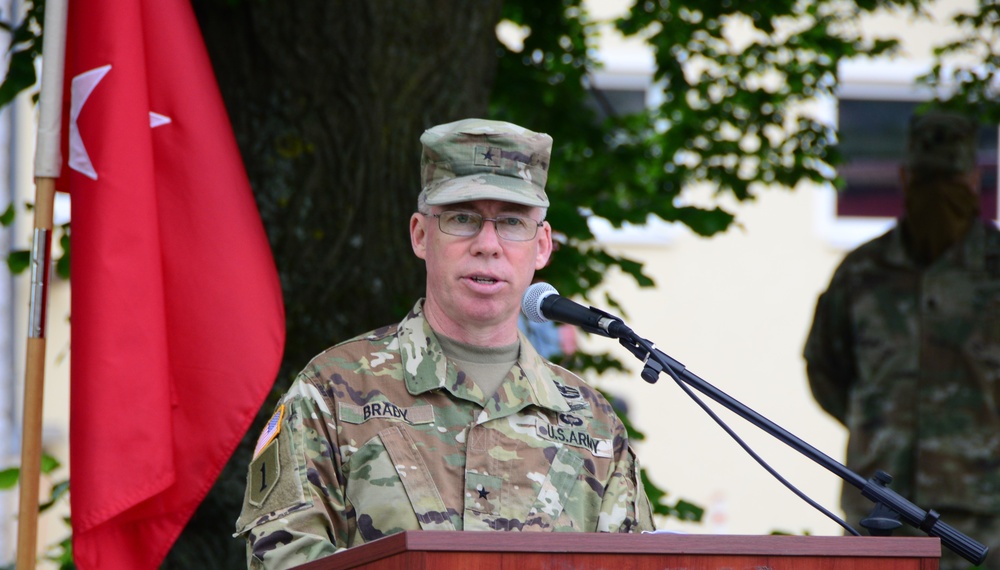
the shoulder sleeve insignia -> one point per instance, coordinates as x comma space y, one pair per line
270, 431
264, 473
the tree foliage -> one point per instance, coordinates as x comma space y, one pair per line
24, 50
971, 87
328, 98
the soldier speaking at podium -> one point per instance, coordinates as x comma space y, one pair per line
449, 419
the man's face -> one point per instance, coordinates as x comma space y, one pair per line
475, 284
939, 210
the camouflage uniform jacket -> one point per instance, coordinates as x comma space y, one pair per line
382, 434
908, 358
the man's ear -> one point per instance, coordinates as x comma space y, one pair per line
418, 234
544, 246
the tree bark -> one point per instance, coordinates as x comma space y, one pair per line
328, 100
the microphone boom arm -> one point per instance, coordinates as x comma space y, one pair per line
875, 489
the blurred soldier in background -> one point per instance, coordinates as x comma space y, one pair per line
905, 344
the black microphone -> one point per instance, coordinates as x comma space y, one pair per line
542, 303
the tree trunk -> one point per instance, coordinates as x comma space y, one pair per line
328, 100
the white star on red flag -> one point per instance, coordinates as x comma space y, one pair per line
83, 85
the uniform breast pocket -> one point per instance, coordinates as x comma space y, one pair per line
557, 488
536, 493
377, 493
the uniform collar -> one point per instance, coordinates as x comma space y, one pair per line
968, 252
425, 368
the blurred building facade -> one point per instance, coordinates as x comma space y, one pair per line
736, 308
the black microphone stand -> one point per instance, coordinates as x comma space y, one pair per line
890, 507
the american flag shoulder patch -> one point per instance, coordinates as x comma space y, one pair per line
270, 431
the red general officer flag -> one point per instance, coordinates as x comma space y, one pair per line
177, 319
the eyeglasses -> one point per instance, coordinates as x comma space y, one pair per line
468, 224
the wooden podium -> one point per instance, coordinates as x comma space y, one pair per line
442, 550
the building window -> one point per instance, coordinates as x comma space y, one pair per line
619, 102
872, 135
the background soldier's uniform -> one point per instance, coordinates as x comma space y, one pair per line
908, 358
417, 445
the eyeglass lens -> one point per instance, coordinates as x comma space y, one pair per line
466, 224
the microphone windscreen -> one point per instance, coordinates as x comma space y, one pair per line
531, 302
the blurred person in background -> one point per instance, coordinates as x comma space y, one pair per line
904, 348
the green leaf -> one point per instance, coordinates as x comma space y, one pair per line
682, 510
42, 507
7, 218
62, 554
59, 490
18, 261
49, 464
655, 495
688, 511
9, 477
62, 264
20, 76
599, 363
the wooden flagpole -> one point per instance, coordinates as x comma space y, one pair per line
48, 164
34, 377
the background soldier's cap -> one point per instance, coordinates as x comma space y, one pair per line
477, 159
941, 141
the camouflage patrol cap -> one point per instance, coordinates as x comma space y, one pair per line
477, 159
941, 141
